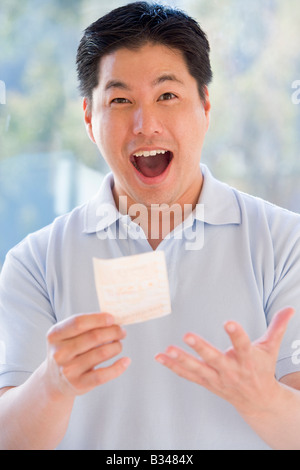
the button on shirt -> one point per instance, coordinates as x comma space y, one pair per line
236, 258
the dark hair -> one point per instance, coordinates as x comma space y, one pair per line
135, 24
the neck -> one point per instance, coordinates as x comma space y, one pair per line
158, 220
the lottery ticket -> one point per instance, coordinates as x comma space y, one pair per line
133, 288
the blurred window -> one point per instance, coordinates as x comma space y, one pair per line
47, 163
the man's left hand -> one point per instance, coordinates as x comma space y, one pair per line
244, 375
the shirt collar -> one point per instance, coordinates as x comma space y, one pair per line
101, 210
217, 201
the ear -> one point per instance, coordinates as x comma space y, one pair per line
88, 119
207, 106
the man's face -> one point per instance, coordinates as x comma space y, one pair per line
146, 102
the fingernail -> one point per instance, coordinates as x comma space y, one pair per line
126, 361
159, 359
190, 340
109, 320
172, 353
230, 327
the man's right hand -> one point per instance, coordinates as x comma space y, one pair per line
35, 415
76, 346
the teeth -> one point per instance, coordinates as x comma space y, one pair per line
149, 153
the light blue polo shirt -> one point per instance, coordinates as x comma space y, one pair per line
245, 268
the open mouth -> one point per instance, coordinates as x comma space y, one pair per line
151, 163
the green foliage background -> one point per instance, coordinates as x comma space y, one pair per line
254, 139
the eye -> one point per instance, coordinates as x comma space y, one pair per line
120, 100
167, 96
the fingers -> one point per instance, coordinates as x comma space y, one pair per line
243, 373
80, 384
276, 330
72, 347
241, 356
214, 357
90, 359
77, 345
100, 376
211, 358
240, 341
187, 366
203, 371
209, 354
78, 324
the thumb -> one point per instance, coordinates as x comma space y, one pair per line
277, 328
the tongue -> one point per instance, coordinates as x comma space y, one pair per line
152, 166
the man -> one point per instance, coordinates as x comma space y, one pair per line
143, 73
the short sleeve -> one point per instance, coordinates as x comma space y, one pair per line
286, 289
25, 314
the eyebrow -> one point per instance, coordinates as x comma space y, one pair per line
158, 81
166, 77
116, 84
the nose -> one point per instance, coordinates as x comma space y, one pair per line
146, 121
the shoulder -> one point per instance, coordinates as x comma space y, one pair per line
269, 226
225, 204
256, 209
35, 245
